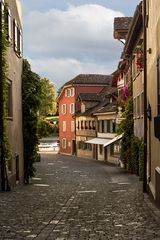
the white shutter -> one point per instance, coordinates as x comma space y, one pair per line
9, 26
21, 44
15, 26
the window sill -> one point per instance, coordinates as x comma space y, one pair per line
9, 118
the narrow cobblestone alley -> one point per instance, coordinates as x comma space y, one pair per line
73, 198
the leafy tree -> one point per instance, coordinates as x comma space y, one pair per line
45, 128
48, 98
31, 101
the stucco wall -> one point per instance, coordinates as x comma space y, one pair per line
154, 44
15, 124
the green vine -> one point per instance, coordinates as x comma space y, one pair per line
131, 146
8, 156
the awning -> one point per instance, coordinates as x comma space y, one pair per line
115, 139
100, 141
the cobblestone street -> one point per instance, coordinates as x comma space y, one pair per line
73, 198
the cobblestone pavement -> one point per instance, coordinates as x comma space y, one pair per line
73, 198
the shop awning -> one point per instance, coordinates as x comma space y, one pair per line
115, 139
100, 141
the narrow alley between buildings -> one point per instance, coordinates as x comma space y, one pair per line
75, 198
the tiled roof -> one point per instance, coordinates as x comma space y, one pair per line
111, 107
109, 90
134, 32
90, 97
122, 23
91, 79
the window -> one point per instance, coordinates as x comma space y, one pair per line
72, 126
68, 92
78, 125
100, 149
105, 126
158, 85
142, 103
86, 125
64, 126
9, 102
112, 149
113, 126
138, 106
17, 38
94, 125
81, 124
15, 34
72, 92
134, 107
8, 23
64, 143
108, 126
100, 126
64, 109
72, 108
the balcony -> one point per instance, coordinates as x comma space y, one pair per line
86, 132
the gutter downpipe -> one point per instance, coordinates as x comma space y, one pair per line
145, 97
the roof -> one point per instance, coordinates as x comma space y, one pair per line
109, 91
90, 97
122, 23
91, 79
110, 107
121, 27
134, 31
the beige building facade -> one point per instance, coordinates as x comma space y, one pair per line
14, 62
153, 97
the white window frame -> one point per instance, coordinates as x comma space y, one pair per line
15, 25
64, 109
72, 110
72, 126
7, 12
21, 44
64, 143
72, 92
68, 92
64, 126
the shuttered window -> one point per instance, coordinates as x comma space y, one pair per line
9, 100
64, 143
17, 38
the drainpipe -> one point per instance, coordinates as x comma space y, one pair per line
145, 97
2, 157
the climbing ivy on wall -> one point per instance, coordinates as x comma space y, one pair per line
131, 146
7, 151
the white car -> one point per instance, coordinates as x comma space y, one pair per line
46, 145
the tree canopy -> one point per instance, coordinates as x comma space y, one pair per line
48, 98
31, 101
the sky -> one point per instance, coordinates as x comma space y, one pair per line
64, 38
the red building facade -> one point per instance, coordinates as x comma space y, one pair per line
68, 106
